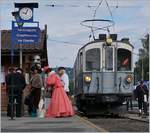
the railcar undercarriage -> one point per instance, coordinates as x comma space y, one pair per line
103, 104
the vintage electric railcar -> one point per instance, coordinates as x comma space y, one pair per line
103, 74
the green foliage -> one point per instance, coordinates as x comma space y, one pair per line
71, 86
143, 60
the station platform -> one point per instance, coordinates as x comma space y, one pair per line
133, 115
29, 124
69, 124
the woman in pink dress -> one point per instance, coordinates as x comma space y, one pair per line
60, 105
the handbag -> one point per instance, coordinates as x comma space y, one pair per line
41, 104
48, 93
41, 108
41, 113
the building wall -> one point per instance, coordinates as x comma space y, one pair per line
3, 97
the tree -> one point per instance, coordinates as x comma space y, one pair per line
142, 65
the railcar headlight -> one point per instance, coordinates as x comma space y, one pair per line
109, 41
129, 79
87, 79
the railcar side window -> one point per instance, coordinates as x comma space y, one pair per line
93, 59
124, 60
81, 60
109, 58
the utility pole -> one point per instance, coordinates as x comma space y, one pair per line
21, 56
142, 68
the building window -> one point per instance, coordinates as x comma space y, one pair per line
109, 58
124, 60
93, 59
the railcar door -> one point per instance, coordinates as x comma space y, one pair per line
108, 81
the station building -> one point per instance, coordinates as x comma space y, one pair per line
28, 52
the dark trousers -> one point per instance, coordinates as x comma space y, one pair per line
142, 105
129, 103
16, 106
35, 98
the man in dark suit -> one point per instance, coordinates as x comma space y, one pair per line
141, 93
15, 83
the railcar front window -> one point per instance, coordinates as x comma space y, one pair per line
93, 59
124, 60
109, 58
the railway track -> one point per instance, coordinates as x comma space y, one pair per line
120, 124
112, 123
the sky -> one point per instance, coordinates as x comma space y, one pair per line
131, 17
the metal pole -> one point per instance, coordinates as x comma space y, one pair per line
11, 86
142, 70
21, 56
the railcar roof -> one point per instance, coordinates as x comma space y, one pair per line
95, 41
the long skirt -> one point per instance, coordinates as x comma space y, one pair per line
60, 105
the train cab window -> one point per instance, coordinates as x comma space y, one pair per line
81, 60
109, 58
93, 59
124, 60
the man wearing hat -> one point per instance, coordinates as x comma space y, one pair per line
64, 78
141, 93
15, 82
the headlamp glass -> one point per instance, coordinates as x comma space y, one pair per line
87, 79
